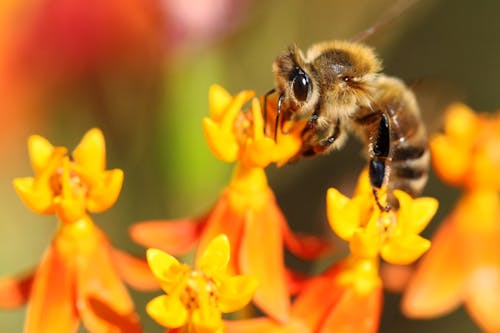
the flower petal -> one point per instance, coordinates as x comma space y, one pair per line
266, 325
91, 151
38, 197
223, 219
438, 285
320, 294
105, 191
207, 320
263, 231
415, 214
102, 299
354, 312
235, 292
134, 271
219, 100
51, 307
483, 300
167, 311
215, 257
15, 292
405, 249
222, 144
343, 213
176, 236
449, 160
40, 151
164, 267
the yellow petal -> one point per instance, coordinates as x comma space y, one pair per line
343, 214
415, 214
258, 120
91, 151
286, 147
40, 151
167, 311
235, 292
215, 257
207, 320
218, 100
106, 191
37, 198
405, 249
365, 244
165, 268
258, 153
222, 144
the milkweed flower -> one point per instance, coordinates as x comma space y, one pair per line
348, 296
196, 298
246, 211
463, 265
79, 277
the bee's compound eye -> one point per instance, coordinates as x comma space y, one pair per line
301, 86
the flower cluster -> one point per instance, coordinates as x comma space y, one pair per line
240, 243
80, 275
463, 265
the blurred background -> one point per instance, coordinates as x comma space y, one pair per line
140, 70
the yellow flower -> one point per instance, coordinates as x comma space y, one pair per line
233, 135
80, 275
370, 231
69, 187
197, 298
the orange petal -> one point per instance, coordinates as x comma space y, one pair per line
51, 307
320, 294
354, 312
223, 220
438, 285
262, 232
176, 237
134, 271
15, 292
103, 301
483, 299
265, 325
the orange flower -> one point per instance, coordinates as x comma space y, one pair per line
464, 263
347, 299
246, 211
348, 296
79, 275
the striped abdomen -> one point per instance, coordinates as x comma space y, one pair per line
405, 161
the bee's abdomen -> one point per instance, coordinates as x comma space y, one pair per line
409, 154
409, 163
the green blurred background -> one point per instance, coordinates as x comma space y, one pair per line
150, 104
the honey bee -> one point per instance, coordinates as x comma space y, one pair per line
337, 87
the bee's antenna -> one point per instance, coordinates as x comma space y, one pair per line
270, 92
278, 114
396, 10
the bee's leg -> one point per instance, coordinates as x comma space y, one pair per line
312, 137
377, 168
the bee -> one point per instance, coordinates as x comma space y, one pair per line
337, 87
